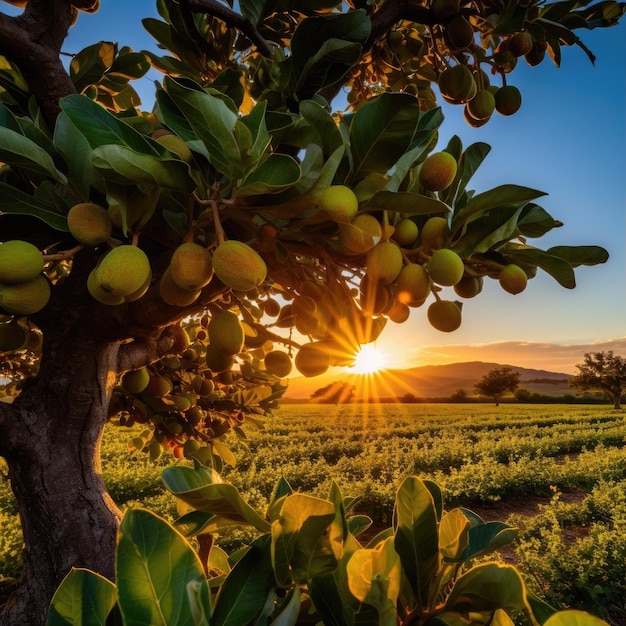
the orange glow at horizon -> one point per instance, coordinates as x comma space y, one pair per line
369, 359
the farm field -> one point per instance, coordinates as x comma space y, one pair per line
557, 472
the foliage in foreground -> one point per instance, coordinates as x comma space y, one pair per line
307, 565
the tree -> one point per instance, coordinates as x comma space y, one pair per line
334, 393
603, 371
497, 381
151, 261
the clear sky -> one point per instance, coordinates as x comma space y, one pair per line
569, 140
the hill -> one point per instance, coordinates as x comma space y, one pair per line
428, 381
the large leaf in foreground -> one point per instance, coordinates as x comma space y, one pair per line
159, 577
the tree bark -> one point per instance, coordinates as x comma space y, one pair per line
68, 518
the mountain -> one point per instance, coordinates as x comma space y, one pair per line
428, 381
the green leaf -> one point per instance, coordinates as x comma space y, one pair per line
22, 153
255, 122
242, 596
572, 617
83, 598
17, 202
197, 487
374, 577
488, 587
129, 65
277, 173
535, 221
487, 537
559, 269
301, 547
504, 195
253, 10
580, 255
407, 202
417, 537
159, 577
323, 123
213, 121
88, 66
381, 131
290, 613
470, 161
453, 535
123, 165
100, 128
328, 600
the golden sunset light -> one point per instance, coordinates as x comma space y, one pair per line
369, 359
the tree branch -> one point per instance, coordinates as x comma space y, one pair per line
242, 24
33, 42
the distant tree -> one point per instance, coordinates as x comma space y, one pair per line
460, 395
497, 381
335, 393
522, 394
409, 398
602, 371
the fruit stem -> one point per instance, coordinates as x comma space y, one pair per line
219, 231
63, 256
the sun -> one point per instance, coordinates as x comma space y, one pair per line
369, 359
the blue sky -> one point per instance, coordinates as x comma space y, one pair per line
569, 140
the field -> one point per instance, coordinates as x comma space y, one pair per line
558, 472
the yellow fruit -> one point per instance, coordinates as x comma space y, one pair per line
89, 223
413, 284
135, 381
12, 336
278, 363
176, 146
384, 262
123, 270
135, 295
217, 361
513, 279
20, 261
238, 266
361, 235
399, 313
339, 203
405, 232
191, 267
469, 286
159, 386
438, 171
25, 298
226, 333
99, 294
174, 295
435, 233
313, 359
444, 315
445, 267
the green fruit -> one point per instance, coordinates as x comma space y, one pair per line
174, 295
459, 33
444, 315
445, 267
536, 54
472, 121
438, 171
278, 363
217, 361
226, 333
159, 386
457, 84
405, 232
435, 232
123, 271
25, 298
513, 279
338, 202
99, 294
313, 359
361, 235
20, 261
176, 146
469, 286
413, 284
238, 266
89, 223
191, 267
508, 100
482, 105
135, 381
12, 336
384, 262
399, 313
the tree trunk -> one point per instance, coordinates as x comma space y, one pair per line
67, 516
